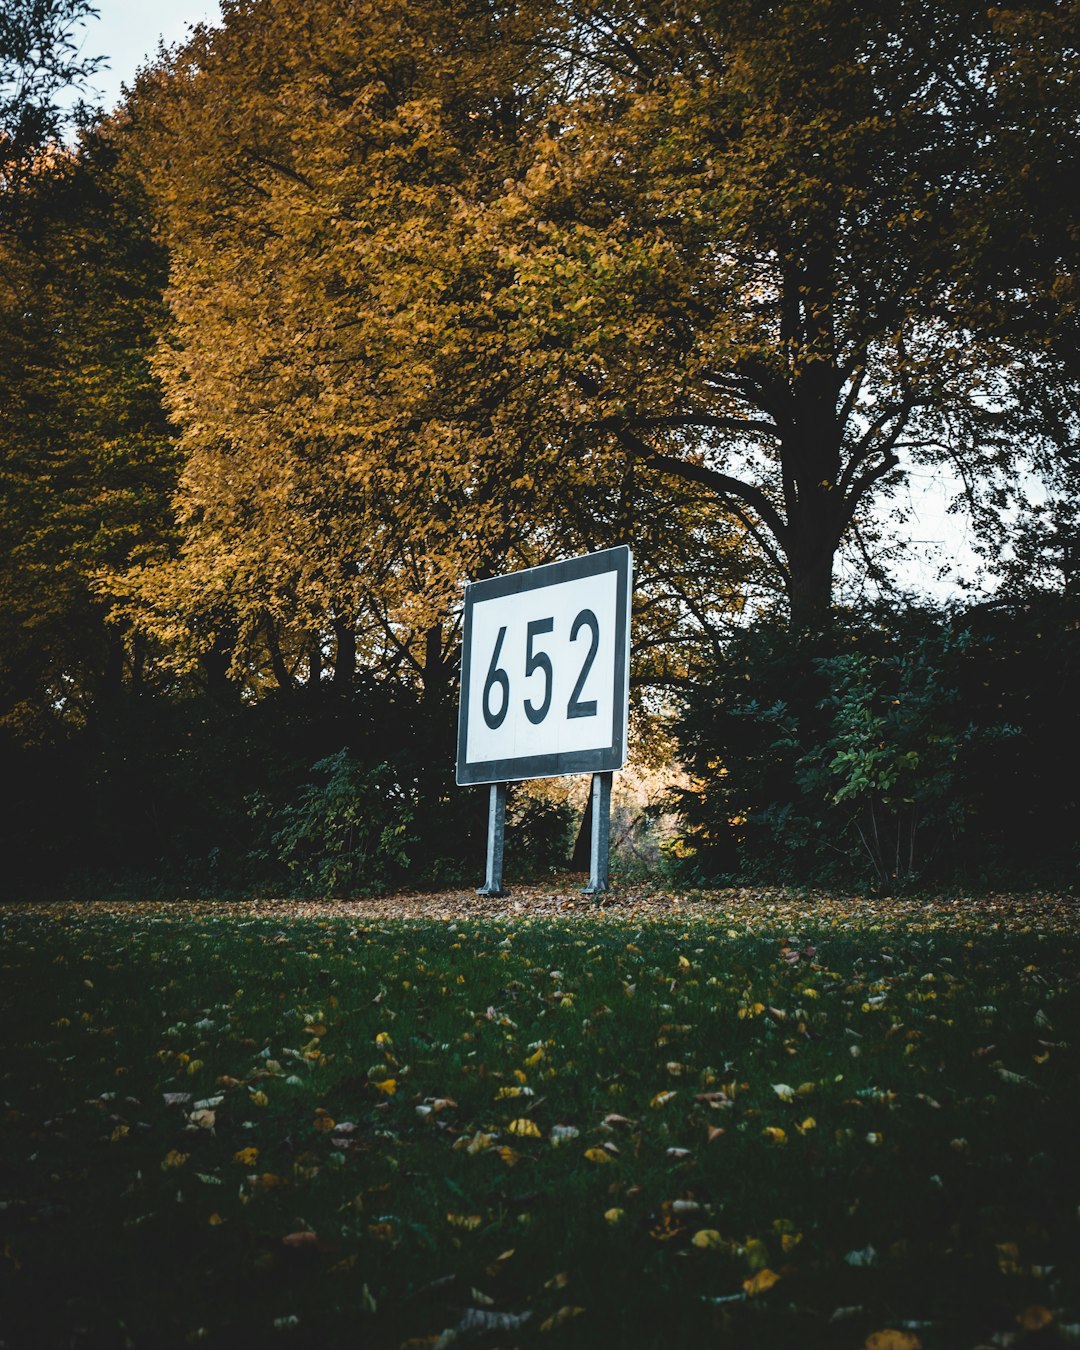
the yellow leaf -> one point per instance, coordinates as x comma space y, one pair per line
774, 1134
807, 1125
524, 1128
1008, 1256
759, 1283
614, 1215
662, 1099
508, 1155
120, 1132
1035, 1317
194, 1066
259, 1098
467, 1221
214, 1220
757, 1254
247, 1156
598, 1155
562, 1316
706, 1238
891, 1339
174, 1158
387, 1087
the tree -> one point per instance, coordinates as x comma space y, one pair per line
743, 241
333, 315
39, 60
86, 459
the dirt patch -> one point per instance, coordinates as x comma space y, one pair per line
741, 907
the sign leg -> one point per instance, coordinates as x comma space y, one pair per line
496, 839
601, 834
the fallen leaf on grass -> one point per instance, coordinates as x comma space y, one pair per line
890, 1339
496, 1266
524, 1128
761, 1282
598, 1155
559, 1318
301, 1239
1034, 1317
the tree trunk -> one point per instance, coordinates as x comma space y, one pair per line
315, 661
277, 661
344, 655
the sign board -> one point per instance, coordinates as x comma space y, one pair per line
545, 671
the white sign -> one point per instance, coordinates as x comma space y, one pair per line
545, 671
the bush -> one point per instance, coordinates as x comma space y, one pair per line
538, 835
899, 747
349, 832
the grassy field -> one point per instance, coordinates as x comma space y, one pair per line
758, 1122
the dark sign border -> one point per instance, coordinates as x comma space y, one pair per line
602, 759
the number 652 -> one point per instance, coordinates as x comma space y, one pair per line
537, 659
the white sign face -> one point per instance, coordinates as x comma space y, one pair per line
545, 671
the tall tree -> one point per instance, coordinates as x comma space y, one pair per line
86, 459
441, 271
743, 241
337, 315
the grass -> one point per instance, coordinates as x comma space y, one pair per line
826, 1124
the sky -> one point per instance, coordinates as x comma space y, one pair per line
127, 32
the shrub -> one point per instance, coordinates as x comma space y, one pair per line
902, 746
349, 831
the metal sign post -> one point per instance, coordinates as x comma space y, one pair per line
496, 838
600, 840
544, 687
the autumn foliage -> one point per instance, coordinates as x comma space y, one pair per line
349, 304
